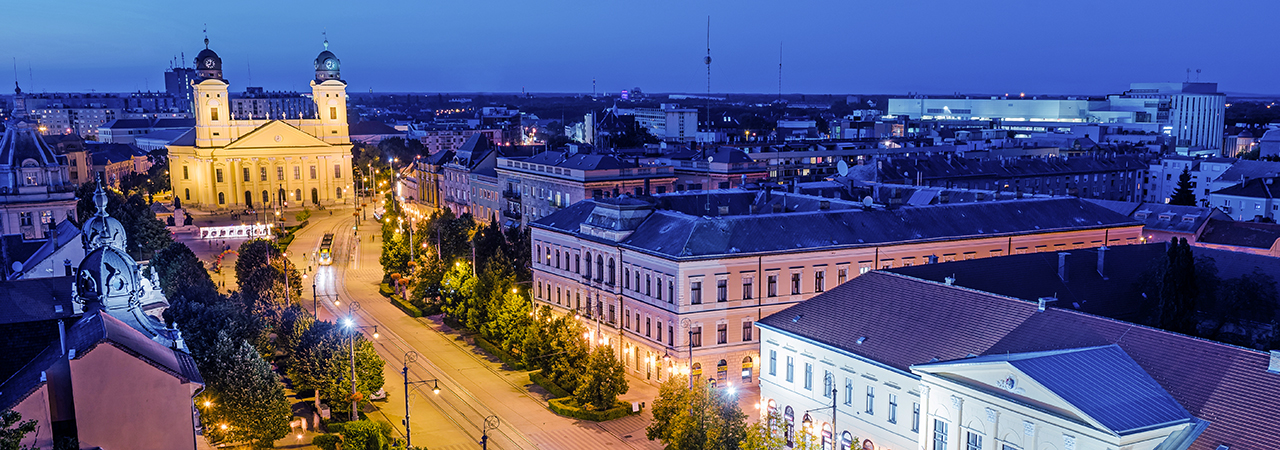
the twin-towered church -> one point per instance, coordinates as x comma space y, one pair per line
238, 163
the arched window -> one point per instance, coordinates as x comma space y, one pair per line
599, 267
846, 441
611, 271
588, 266
789, 415
337, 192
722, 371
297, 195
696, 373
222, 199
747, 367
266, 199
187, 193
248, 199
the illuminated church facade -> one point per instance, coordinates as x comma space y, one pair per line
237, 163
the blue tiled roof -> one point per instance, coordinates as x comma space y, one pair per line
1103, 382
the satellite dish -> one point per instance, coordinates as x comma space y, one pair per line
867, 202
843, 168
710, 158
17, 266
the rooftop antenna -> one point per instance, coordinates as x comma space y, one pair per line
325, 33
206, 36
1197, 75
779, 71
249, 75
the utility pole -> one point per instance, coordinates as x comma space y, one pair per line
409, 358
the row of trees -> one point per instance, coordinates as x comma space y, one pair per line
443, 278
1186, 295
234, 338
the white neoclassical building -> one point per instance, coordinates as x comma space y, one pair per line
230, 162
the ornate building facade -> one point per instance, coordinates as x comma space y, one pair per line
35, 190
230, 162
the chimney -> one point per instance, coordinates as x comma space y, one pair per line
777, 207
66, 267
62, 337
646, 187
1044, 301
1102, 258
949, 281
931, 259
824, 205
1062, 266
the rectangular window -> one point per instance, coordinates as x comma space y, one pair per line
337, 171
893, 408
915, 417
722, 290
246, 174
313, 172
213, 113
841, 276
695, 292
280, 173
671, 333
186, 175
747, 332
773, 362
25, 219
333, 113
973, 441
695, 337
747, 288
659, 288
671, 291
871, 399
262, 174
218, 174
808, 376
819, 281
795, 284
773, 286
659, 331
848, 391
791, 367
297, 172
722, 333
647, 327
939, 435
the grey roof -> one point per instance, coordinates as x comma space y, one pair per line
187, 139
1253, 188
19, 143
899, 321
168, 135
1103, 382
87, 333
116, 124
579, 161
111, 153
369, 128
1121, 207
65, 232
681, 235
1174, 218
1240, 234
35, 299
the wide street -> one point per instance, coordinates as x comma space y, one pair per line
472, 387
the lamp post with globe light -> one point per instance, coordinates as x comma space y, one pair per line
409, 358
350, 324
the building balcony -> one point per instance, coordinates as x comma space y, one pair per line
515, 215
511, 195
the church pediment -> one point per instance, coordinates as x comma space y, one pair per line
276, 134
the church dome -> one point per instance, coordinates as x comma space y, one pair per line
102, 230
327, 65
208, 63
109, 277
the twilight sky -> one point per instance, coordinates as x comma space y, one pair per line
835, 46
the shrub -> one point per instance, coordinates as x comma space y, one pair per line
385, 290
409, 309
568, 408
327, 441
506, 358
540, 380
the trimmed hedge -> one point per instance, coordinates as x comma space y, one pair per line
501, 354
385, 290
538, 379
327, 441
568, 408
408, 308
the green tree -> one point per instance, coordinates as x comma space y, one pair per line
178, 269
321, 361
366, 435
1243, 301
1184, 194
701, 418
294, 322
246, 401
512, 319
261, 270
602, 380
457, 288
767, 434
13, 429
1178, 290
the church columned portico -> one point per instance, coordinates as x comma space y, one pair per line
228, 163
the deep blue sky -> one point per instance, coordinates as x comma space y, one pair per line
845, 46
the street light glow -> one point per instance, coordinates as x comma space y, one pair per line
347, 322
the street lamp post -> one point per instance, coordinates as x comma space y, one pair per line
315, 307
834, 395
409, 358
349, 323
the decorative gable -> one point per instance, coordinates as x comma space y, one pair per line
276, 134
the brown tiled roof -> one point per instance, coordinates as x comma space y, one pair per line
909, 321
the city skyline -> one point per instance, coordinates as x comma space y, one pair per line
929, 47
